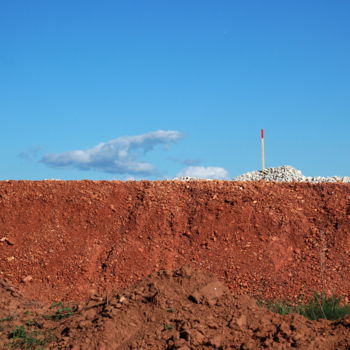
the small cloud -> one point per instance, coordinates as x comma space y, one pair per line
118, 156
31, 154
185, 161
24, 155
191, 162
201, 172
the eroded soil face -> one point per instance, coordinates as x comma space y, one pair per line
74, 238
71, 241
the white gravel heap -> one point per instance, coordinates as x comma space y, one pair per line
189, 178
287, 173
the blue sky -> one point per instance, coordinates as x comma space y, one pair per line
146, 89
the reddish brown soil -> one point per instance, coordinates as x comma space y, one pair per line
70, 240
183, 310
268, 239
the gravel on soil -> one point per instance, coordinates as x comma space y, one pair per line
287, 173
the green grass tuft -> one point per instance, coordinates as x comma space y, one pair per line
8, 318
21, 339
318, 307
168, 327
60, 313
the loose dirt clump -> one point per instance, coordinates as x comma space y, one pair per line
184, 309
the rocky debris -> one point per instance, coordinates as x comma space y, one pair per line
7, 240
27, 279
189, 178
287, 173
284, 173
208, 294
169, 310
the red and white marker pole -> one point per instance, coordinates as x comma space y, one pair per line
262, 150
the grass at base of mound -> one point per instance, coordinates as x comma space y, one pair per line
22, 339
318, 307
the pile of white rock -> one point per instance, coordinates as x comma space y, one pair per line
189, 178
287, 173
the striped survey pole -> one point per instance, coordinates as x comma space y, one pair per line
262, 150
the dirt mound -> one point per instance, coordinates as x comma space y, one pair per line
65, 240
81, 241
10, 299
185, 309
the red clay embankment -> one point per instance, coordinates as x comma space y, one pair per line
73, 238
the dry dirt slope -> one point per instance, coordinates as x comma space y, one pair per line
183, 310
74, 238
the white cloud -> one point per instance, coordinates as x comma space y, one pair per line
118, 156
201, 172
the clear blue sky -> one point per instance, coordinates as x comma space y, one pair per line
146, 88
